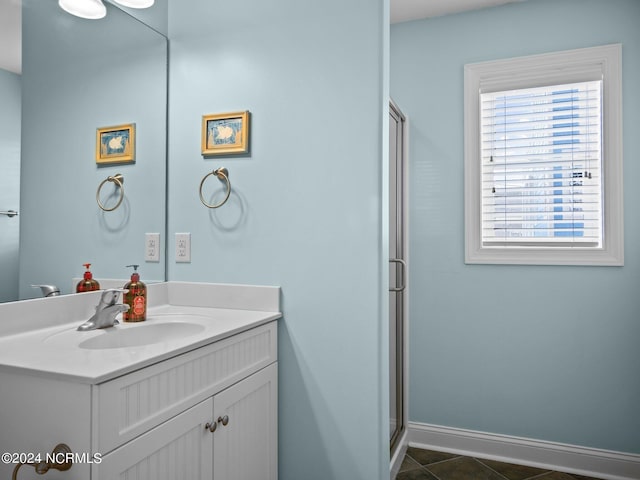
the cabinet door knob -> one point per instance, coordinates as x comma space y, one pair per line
211, 426
223, 420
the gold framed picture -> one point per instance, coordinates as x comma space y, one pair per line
225, 133
116, 144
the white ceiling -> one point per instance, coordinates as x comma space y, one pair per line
401, 11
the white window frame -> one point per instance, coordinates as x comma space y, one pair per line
594, 63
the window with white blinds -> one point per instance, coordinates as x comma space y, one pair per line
541, 165
543, 174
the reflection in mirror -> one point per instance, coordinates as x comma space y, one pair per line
77, 76
9, 183
10, 106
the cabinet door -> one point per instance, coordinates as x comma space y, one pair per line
246, 448
178, 449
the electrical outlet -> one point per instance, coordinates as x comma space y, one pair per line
183, 247
152, 247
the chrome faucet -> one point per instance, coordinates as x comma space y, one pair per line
106, 310
48, 290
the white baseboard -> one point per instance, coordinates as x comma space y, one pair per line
398, 456
605, 464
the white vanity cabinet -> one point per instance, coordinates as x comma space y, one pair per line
242, 445
210, 413
151, 423
142, 400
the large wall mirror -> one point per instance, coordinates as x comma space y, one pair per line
78, 76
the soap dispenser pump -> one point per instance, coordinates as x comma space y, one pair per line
88, 283
136, 298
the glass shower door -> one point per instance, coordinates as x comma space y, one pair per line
397, 277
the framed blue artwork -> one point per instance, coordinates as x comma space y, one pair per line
225, 133
116, 144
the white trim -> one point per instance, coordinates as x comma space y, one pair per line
605, 464
407, 295
398, 456
536, 70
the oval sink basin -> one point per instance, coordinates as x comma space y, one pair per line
141, 335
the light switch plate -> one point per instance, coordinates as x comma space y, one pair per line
183, 247
152, 247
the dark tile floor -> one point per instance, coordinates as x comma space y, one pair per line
421, 464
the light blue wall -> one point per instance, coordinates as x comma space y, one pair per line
79, 75
10, 94
541, 352
307, 207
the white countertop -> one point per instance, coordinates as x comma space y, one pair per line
55, 351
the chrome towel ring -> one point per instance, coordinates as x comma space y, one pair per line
223, 175
118, 179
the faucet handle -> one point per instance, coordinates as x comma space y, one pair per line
48, 290
110, 295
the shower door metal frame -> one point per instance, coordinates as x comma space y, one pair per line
398, 264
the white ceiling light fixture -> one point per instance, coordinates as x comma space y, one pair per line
135, 3
95, 9
91, 9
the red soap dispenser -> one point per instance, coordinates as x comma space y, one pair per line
88, 283
136, 298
